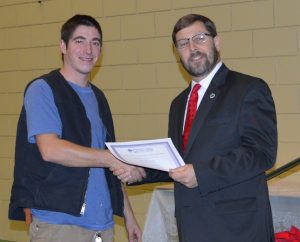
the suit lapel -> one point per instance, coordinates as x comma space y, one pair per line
181, 112
210, 97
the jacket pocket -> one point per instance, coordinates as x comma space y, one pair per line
236, 205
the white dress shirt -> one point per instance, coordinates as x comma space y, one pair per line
204, 85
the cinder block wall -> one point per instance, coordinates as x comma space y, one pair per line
139, 72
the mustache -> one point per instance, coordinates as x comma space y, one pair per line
196, 54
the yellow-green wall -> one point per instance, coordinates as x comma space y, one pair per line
138, 70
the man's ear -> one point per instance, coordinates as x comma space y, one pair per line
217, 42
63, 47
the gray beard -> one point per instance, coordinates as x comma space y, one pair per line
200, 70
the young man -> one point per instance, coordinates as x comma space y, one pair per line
61, 167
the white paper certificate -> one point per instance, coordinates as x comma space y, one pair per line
159, 154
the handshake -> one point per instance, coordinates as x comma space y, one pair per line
184, 174
128, 173
158, 154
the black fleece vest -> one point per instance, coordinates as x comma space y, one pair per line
45, 185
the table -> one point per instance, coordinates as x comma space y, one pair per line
160, 225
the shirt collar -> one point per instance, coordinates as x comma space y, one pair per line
207, 80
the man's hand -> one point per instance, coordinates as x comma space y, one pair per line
133, 230
128, 174
185, 175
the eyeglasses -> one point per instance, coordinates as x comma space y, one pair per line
197, 39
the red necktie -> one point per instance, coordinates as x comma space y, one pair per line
190, 115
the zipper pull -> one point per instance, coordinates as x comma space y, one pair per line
98, 237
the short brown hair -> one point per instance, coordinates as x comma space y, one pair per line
189, 19
71, 25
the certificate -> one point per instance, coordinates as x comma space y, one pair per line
159, 154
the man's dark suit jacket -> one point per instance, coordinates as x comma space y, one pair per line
233, 141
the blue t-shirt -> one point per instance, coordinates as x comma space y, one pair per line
43, 118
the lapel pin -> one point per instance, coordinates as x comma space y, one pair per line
212, 95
